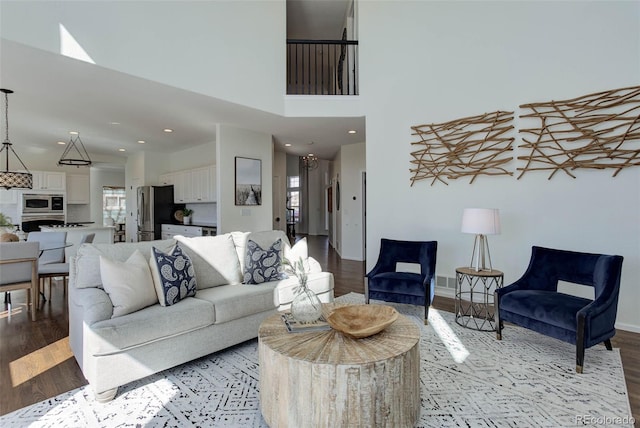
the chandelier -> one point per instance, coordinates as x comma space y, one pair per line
79, 156
12, 179
310, 161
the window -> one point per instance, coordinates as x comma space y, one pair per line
293, 199
114, 204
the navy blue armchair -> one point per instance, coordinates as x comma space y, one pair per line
533, 301
384, 283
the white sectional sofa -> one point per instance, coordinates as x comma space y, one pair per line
113, 350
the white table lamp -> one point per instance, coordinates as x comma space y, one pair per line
481, 222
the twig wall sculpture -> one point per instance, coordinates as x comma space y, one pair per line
597, 131
471, 146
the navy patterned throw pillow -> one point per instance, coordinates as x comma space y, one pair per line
173, 275
263, 265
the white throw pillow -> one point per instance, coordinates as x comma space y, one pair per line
128, 284
214, 259
299, 250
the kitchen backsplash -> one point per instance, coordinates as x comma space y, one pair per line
204, 214
78, 213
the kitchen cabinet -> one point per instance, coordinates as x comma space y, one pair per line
167, 179
8, 196
203, 185
182, 187
192, 185
170, 230
49, 180
77, 189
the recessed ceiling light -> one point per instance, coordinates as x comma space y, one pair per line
62, 143
114, 123
121, 150
287, 145
352, 131
141, 141
310, 154
73, 132
168, 130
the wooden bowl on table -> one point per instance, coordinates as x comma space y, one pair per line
359, 321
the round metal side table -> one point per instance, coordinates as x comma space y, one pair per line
474, 297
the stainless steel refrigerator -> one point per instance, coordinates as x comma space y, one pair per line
155, 207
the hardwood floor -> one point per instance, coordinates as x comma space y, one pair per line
36, 361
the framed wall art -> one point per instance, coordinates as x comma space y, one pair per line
248, 184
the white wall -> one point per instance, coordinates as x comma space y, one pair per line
280, 192
430, 62
232, 50
317, 208
352, 167
232, 142
194, 157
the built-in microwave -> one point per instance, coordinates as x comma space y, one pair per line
42, 203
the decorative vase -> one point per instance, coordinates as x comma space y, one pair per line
306, 307
186, 219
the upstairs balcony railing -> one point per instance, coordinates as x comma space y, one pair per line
322, 67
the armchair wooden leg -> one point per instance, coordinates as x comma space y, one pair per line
498, 321
607, 344
426, 314
580, 345
366, 290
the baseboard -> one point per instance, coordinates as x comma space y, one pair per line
627, 327
445, 292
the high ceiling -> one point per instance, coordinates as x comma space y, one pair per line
55, 94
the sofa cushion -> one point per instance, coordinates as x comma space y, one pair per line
214, 258
173, 276
236, 301
128, 284
150, 324
262, 265
87, 262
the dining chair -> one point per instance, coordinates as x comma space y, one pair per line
49, 239
51, 263
19, 261
87, 238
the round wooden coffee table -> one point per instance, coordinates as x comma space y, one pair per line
325, 379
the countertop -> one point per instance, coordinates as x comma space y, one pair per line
193, 224
75, 228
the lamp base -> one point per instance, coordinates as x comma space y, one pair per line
480, 254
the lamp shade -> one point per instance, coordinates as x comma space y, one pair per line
481, 221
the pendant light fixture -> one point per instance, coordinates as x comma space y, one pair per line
12, 179
79, 156
310, 161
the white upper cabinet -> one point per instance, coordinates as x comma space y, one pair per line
8, 196
182, 187
167, 179
77, 189
192, 185
49, 180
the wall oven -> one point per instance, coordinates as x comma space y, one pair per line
33, 203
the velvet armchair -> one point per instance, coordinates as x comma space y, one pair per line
385, 282
534, 302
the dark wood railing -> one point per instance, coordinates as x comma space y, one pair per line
322, 67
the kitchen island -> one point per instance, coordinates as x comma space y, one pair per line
103, 235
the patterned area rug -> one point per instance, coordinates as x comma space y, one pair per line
468, 379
